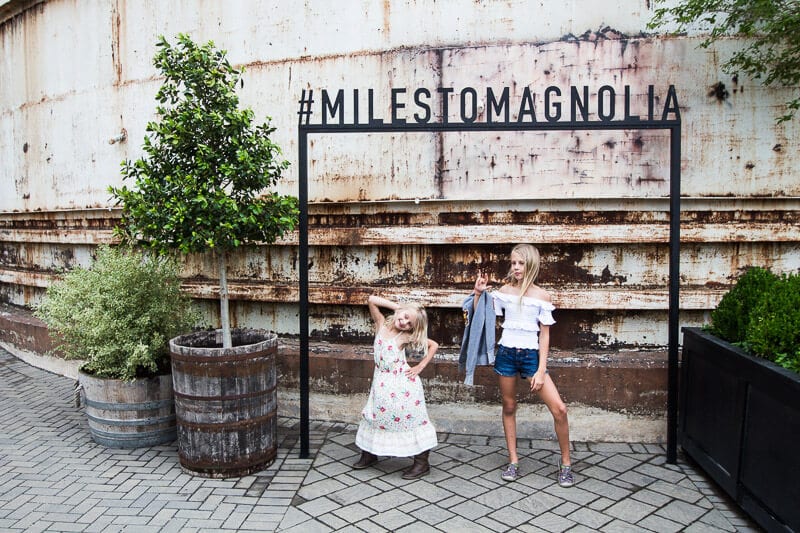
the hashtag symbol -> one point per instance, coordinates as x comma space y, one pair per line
305, 106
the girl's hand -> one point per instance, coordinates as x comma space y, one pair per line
481, 283
413, 371
537, 381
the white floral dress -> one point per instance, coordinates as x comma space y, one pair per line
394, 422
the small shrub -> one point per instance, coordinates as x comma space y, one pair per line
119, 314
731, 318
789, 361
774, 329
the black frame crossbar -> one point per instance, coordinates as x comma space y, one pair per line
674, 127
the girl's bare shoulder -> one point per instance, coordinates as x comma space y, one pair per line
534, 291
509, 289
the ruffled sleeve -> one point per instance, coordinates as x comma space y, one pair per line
499, 303
546, 313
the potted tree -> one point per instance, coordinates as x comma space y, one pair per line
203, 186
118, 316
739, 408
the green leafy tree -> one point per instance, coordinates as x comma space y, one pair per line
770, 53
203, 183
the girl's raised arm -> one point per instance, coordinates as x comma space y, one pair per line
375, 303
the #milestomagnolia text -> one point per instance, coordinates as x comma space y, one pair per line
446, 105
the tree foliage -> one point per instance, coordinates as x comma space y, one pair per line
771, 51
202, 183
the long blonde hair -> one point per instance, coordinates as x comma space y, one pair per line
418, 336
530, 255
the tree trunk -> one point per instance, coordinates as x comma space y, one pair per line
224, 314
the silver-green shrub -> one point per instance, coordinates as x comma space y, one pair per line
119, 314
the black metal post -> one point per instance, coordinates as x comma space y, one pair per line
674, 290
302, 265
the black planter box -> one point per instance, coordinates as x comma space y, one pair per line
739, 418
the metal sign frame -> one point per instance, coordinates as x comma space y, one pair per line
674, 127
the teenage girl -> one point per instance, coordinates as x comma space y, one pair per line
522, 351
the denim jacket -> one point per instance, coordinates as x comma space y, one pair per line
477, 344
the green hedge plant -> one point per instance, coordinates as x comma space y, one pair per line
761, 314
119, 314
774, 330
731, 318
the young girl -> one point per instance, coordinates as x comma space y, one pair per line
523, 349
395, 421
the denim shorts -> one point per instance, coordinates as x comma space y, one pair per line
509, 362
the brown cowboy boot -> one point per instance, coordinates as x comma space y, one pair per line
420, 467
367, 459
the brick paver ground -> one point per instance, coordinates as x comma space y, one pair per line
53, 477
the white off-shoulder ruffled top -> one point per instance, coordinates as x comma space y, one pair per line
521, 324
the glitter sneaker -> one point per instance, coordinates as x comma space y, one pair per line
565, 477
511, 473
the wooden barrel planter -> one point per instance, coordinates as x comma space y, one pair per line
133, 414
226, 402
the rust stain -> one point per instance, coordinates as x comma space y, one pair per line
116, 40
53, 221
356, 220
387, 12
16, 14
719, 91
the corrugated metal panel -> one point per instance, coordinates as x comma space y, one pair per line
412, 215
608, 293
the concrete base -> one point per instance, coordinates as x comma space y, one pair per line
56, 365
586, 424
617, 397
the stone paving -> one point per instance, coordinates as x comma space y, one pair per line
53, 477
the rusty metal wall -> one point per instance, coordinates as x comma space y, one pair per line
412, 215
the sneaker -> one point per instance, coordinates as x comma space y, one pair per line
565, 477
511, 473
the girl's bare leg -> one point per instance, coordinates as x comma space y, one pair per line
508, 390
551, 398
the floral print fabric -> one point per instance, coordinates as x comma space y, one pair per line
394, 421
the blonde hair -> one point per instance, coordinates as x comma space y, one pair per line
530, 255
418, 336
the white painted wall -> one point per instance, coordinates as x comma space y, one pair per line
77, 73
